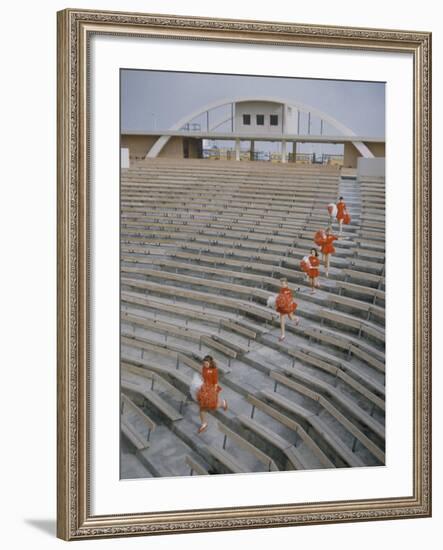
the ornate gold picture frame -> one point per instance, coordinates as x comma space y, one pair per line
75, 517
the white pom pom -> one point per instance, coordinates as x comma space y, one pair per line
332, 209
271, 301
308, 263
196, 384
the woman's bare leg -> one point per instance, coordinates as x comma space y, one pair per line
204, 424
222, 403
282, 326
340, 223
327, 264
312, 285
294, 318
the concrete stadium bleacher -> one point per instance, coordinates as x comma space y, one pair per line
203, 246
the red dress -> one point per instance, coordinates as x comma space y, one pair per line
285, 302
207, 395
327, 247
314, 271
341, 209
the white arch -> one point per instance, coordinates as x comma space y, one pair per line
161, 141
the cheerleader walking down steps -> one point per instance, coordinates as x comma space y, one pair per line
285, 305
207, 395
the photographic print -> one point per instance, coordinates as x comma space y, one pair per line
227, 356
252, 274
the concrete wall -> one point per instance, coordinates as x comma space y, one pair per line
352, 155
138, 145
254, 108
371, 167
377, 149
172, 149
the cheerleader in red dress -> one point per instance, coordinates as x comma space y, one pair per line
328, 248
342, 212
314, 271
320, 239
285, 305
208, 394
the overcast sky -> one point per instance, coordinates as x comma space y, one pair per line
156, 100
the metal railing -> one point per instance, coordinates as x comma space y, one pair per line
216, 153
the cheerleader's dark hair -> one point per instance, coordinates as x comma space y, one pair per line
209, 359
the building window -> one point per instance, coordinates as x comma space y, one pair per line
273, 120
260, 120
246, 120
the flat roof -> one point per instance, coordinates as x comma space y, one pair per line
305, 138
